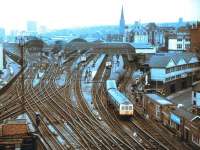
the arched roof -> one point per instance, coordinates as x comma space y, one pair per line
78, 40
35, 43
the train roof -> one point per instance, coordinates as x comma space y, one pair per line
111, 84
119, 97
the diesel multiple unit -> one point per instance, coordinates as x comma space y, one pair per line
120, 102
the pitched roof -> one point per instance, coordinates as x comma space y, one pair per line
158, 99
142, 45
196, 88
196, 122
161, 60
184, 113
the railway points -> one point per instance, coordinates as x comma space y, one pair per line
77, 110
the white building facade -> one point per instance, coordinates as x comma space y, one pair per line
172, 72
175, 67
180, 42
139, 33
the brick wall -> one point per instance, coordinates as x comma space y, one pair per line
14, 129
195, 39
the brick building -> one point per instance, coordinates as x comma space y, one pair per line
195, 38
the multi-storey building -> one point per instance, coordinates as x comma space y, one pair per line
179, 41
138, 33
173, 71
155, 34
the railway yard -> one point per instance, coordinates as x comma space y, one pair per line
81, 101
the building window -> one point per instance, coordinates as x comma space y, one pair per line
167, 79
168, 70
172, 78
172, 69
178, 68
174, 125
195, 139
194, 94
179, 39
184, 67
187, 39
197, 65
179, 46
187, 46
157, 111
194, 103
178, 76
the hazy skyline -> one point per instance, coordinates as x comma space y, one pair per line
78, 13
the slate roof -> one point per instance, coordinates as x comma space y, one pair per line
161, 60
196, 88
196, 122
138, 27
184, 113
142, 46
158, 99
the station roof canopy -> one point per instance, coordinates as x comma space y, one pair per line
35, 43
105, 46
158, 99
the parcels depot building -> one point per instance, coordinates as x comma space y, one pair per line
172, 72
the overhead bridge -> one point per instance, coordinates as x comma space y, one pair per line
108, 47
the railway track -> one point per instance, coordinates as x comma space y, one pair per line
31, 109
153, 134
68, 125
101, 105
92, 119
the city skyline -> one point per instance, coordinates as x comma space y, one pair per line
77, 13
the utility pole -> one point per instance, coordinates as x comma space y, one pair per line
21, 41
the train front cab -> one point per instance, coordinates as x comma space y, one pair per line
126, 110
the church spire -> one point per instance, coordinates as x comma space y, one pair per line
122, 22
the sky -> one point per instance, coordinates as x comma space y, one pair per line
78, 13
